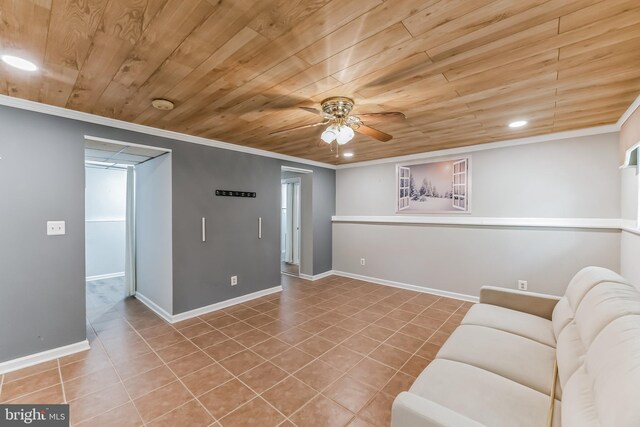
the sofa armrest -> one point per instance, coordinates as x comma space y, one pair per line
541, 305
411, 410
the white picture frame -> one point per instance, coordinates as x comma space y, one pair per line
439, 186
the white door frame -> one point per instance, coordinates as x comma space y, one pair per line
293, 220
131, 248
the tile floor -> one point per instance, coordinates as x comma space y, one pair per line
328, 353
293, 269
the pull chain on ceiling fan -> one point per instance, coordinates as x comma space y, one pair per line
342, 125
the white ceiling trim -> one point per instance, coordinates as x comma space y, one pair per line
598, 130
134, 127
297, 170
623, 118
24, 104
128, 144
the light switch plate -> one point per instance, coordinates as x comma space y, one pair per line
55, 228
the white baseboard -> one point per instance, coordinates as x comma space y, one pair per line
154, 307
104, 276
206, 309
455, 295
317, 276
224, 304
44, 356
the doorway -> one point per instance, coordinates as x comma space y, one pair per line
290, 228
110, 219
296, 230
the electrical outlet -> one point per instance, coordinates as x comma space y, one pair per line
234, 280
522, 285
363, 261
55, 228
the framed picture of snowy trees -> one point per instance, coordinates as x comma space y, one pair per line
442, 186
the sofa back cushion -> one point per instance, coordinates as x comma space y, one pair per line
598, 350
605, 390
579, 286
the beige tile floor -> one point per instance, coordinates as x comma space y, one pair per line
333, 352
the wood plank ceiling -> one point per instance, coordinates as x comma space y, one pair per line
237, 69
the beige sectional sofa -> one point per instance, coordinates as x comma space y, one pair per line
497, 367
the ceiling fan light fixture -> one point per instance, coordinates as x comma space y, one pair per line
345, 135
348, 154
327, 136
330, 134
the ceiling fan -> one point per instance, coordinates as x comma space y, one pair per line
336, 112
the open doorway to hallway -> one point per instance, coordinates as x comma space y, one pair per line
296, 228
290, 228
110, 219
105, 232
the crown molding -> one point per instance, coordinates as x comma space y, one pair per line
598, 130
134, 127
52, 110
633, 107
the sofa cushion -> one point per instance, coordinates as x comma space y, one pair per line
562, 316
605, 390
598, 353
613, 367
483, 396
411, 410
517, 358
584, 280
601, 305
570, 353
516, 322
579, 409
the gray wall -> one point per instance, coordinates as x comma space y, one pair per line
462, 259
306, 219
42, 287
630, 257
324, 206
47, 273
154, 248
202, 271
105, 212
629, 193
630, 242
573, 178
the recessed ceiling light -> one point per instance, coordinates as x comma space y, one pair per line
162, 104
19, 63
348, 154
518, 124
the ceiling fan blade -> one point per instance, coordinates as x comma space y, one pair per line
379, 117
373, 133
300, 127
